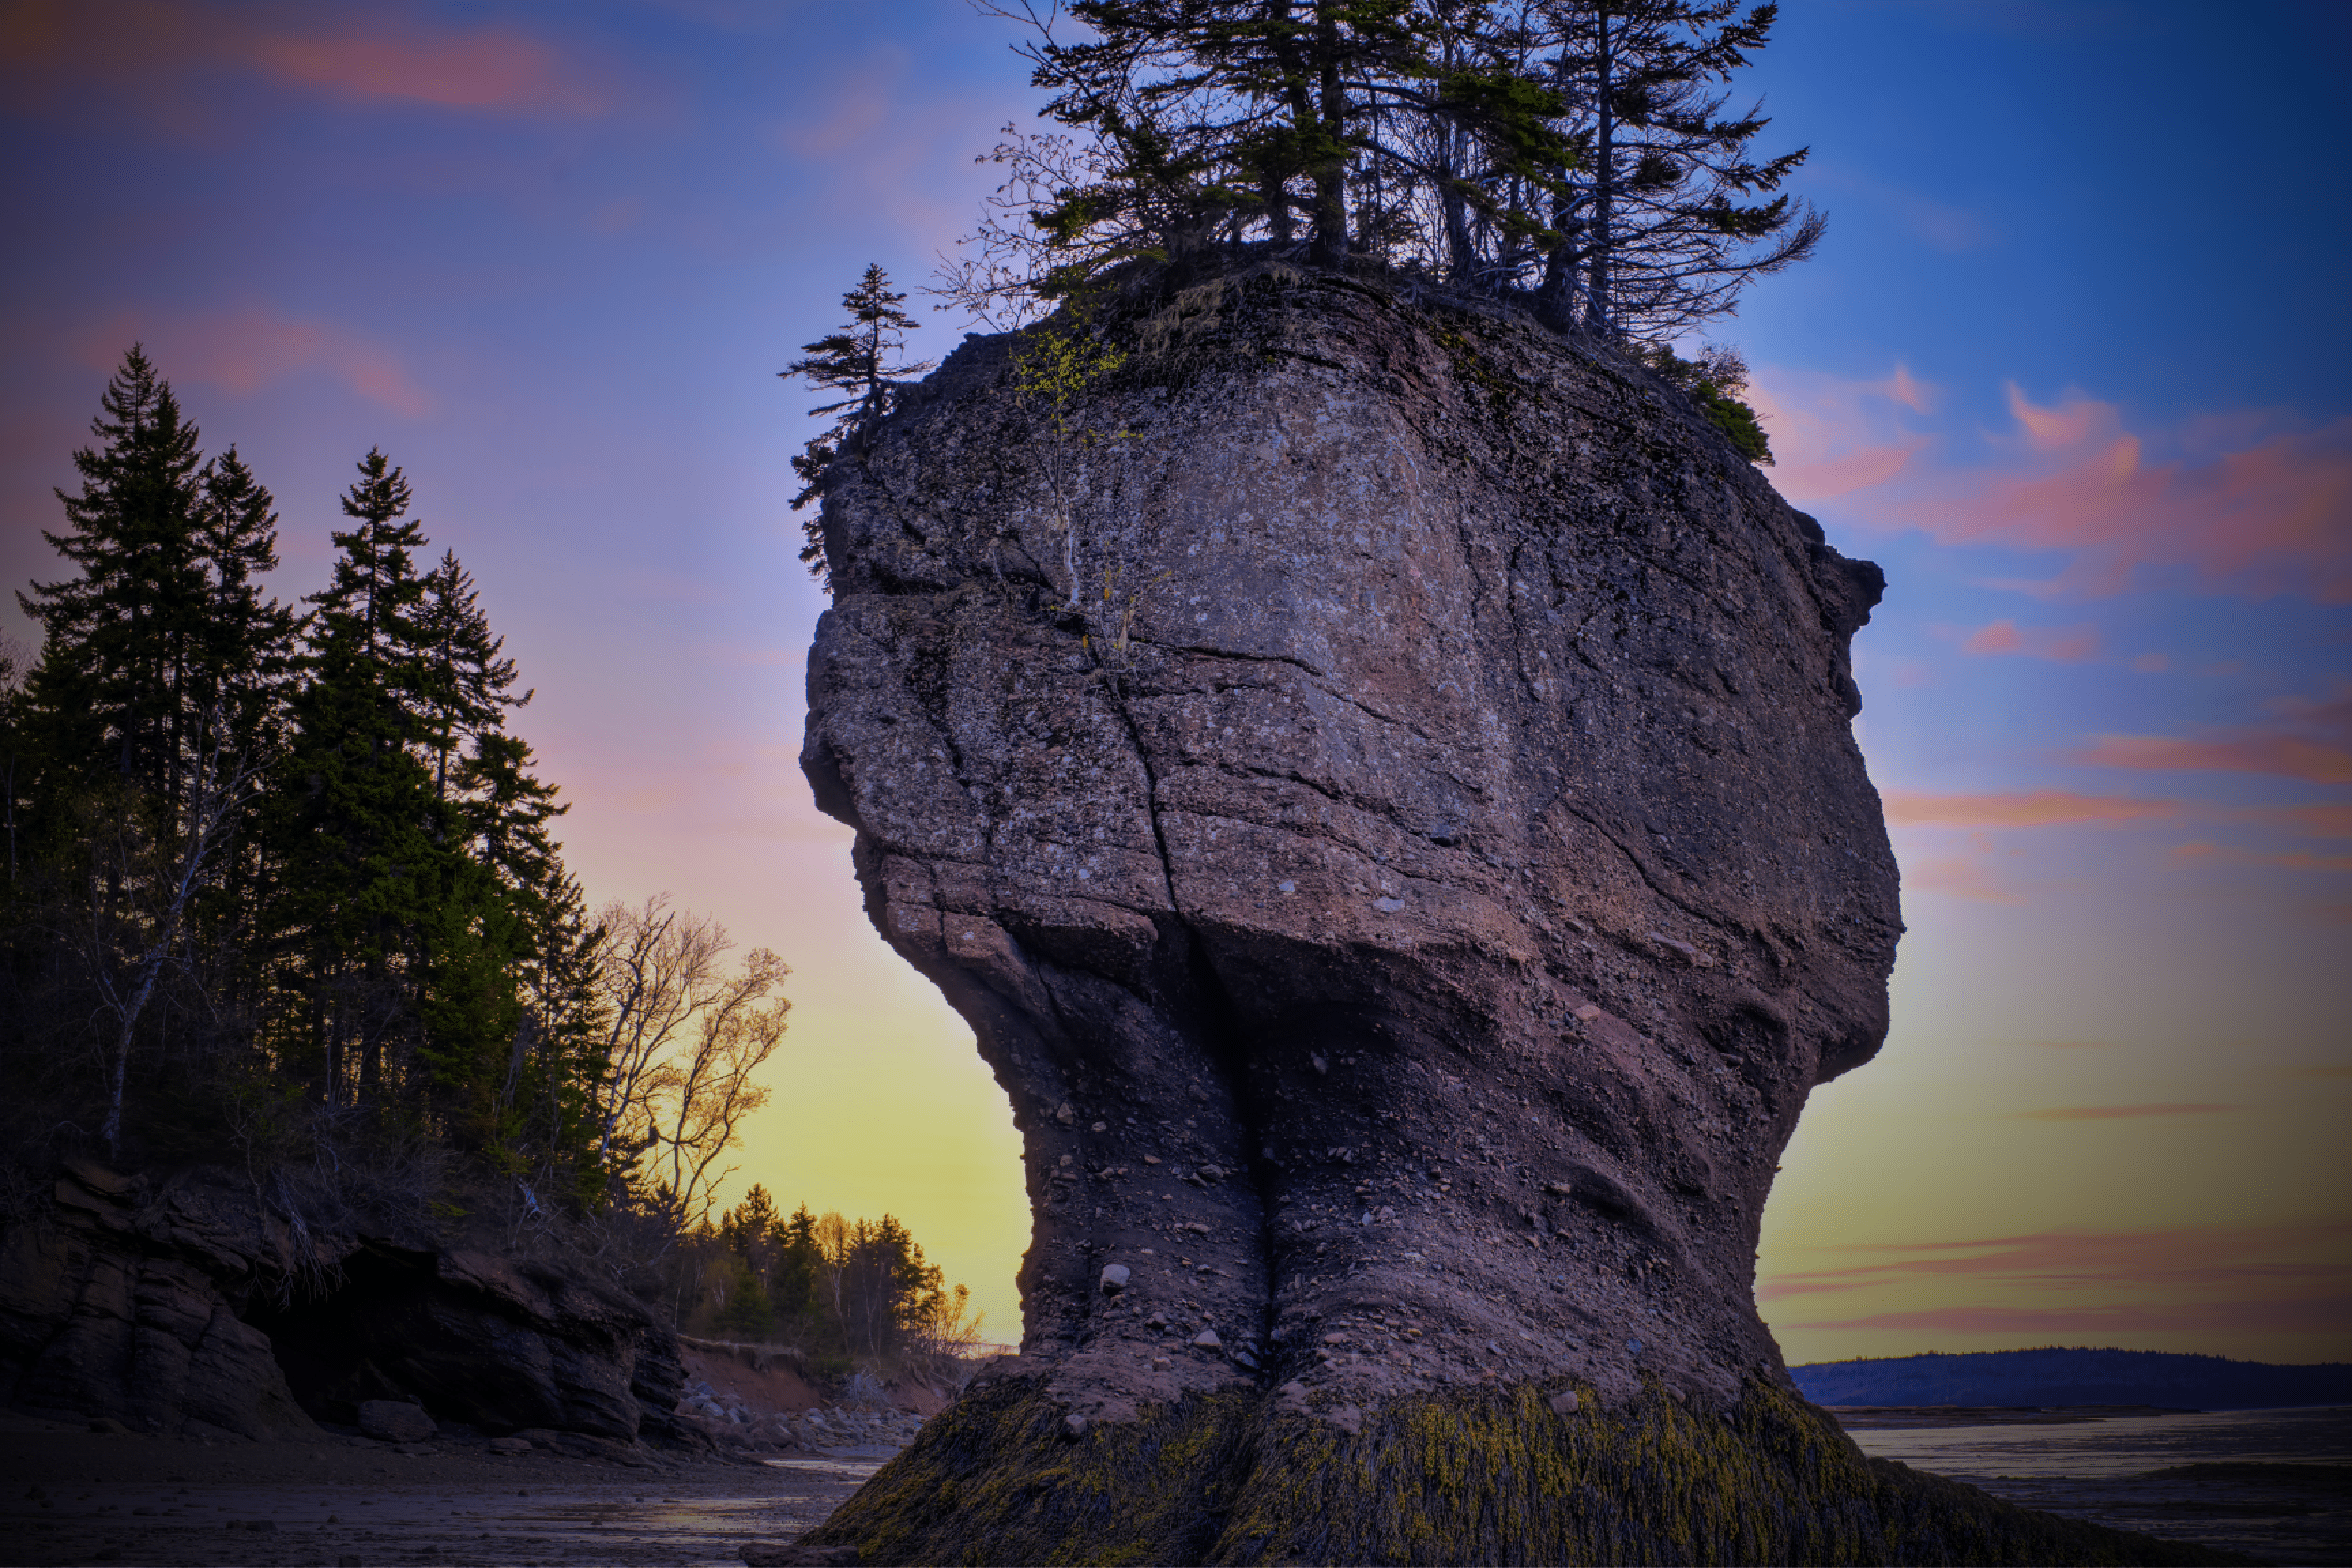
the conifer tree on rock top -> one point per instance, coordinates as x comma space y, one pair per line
861, 361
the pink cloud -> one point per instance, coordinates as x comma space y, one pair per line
151, 52
2027, 809
246, 350
2324, 822
2071, 646
2042, 1325
2284, 755
2292, 860
2075, 421
499, 70
488, 72
2185, 1257
2310, 740
855, 106
1833, 436
2243, 505
1959, 876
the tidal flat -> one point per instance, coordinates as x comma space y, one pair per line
74, 1496
2274, 1485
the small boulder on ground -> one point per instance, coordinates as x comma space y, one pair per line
395, 1422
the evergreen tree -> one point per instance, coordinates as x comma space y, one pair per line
392, 930
793, 1282
1206, 113
1579, 150
1659, 230
555, 1067
14, 748
467, 681
360, 830
245, 658
109, 695
138, 736
861, 361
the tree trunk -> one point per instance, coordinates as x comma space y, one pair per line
1461, 258
1597, 316
1330, 247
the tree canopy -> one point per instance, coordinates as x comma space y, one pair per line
1582, 151
282, 884
860, 362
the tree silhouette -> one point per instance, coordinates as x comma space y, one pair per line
861, 360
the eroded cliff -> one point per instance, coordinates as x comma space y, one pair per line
1377, 777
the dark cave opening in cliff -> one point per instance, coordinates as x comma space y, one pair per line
373, 1329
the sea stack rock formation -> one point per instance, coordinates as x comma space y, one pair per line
1377, 777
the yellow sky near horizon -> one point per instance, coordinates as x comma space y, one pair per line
1982, 1186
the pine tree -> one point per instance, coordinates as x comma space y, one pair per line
244, 642
1579, 150
243, 676
1660, 230
466, 680
858, 361
140, 733
15, 753
557, 1070
1213, 110
108, 695
359, 830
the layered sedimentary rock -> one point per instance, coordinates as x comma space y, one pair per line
1434, 909
1377, 778
192, 1307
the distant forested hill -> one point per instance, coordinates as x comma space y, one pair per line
2055, 1377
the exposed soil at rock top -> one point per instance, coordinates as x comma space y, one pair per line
1378, 779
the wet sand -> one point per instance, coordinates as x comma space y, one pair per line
2275, 1484
72, 1496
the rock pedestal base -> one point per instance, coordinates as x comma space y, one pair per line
1527, 1474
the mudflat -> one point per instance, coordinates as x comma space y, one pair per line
72, 1496
1877, 1418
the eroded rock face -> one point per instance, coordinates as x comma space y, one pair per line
190, 1307
1377, 778
117, 1304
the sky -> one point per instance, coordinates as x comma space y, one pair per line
2070, 366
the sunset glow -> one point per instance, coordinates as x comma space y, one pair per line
552, 259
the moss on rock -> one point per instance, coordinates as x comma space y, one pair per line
1488, 1474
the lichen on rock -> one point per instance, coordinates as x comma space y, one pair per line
1377, 777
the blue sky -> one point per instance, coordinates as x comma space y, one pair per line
2070, 366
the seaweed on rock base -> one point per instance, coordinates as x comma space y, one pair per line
1476, 1475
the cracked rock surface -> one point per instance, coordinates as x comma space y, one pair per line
194, 1307
1377, 778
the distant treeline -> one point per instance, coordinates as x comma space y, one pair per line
2062, 1376
842, 1293
281, 887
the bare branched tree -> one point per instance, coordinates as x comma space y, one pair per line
140, 899
685, 1037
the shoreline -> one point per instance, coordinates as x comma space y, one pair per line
78, 1496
